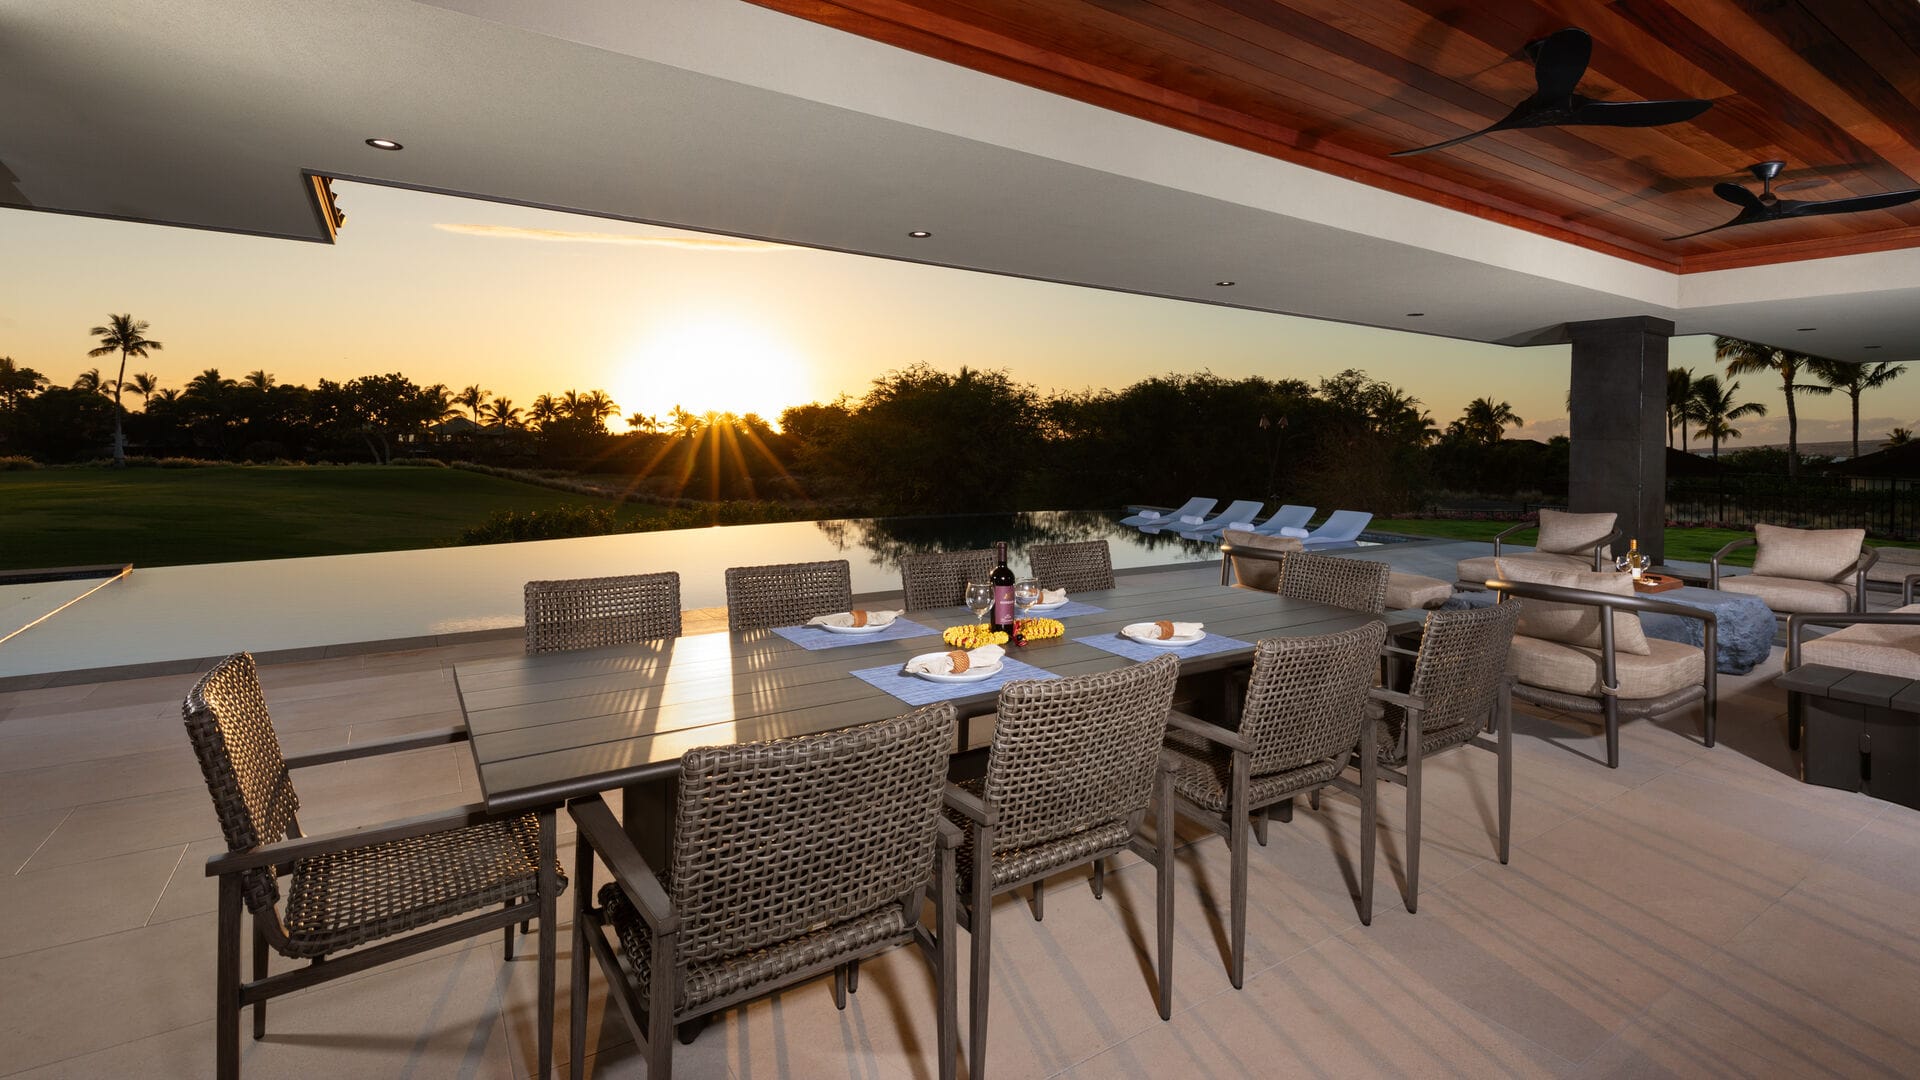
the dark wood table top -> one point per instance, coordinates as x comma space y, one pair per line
559, 725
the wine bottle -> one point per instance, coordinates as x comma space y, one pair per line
1636, 562
1002, 580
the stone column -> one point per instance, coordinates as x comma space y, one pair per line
1618, 427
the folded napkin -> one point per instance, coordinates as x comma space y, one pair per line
1053, 596
1192, 519
855, 617
1162, 630
1289, 530
957, 662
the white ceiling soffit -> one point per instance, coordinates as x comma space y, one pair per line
721, 116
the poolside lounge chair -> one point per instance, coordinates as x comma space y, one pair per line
1242, 511
1195, 508
1341, 529
1289, 520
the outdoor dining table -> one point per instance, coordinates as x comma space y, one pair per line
550, 727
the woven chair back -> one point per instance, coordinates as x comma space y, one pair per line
760, 597
939, 578
1359, 584
583, 613
1463, 661
778, 838
1069, 754
232, 735
1308, 696
1082, 566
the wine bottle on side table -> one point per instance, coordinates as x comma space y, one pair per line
1002, 579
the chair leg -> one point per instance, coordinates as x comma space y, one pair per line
840, 987
1503, 717
227, 982
1038, 903
1163, 900
1413, 820
582, 959
1099, 879
507, 932
1313, 800
981, 925
947, 1023
1793, 721
259, 972
1284, 812
853, 976
549, 910
1260, 827
1237, 806
660, 1028
1612, 712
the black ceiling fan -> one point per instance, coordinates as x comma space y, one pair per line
1767, 206
1559, 61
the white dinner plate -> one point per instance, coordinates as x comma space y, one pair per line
1166, 643
975, 674
870, 628
1055, 606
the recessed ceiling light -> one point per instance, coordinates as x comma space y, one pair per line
1804, 329
1416, 314
1223, 284
384, 144
919, 234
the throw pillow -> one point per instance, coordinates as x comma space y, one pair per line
1575, 624
1808, 554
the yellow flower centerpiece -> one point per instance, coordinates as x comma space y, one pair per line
974, 635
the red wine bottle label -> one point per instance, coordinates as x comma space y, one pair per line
1003, 605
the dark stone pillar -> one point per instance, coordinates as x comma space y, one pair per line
1618, 426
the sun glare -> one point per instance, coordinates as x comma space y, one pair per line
714, 364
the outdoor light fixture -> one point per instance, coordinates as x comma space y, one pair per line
919, 234
1223, 284
384, 144
1416, 314
1804, 329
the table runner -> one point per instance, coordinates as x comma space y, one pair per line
814, 638
917, 691
1133, 650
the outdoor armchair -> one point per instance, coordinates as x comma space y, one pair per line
1358, 584
356, 887
939, 578
1802, 570
582, 613
1599, 661
1072, 770
790, 859
1460, 688
1304, 718
1252, 560
1081, 566
1566, 542
786, 594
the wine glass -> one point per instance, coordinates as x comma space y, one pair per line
1026, 593
979, 598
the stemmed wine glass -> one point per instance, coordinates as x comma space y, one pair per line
1026, 593
979, 598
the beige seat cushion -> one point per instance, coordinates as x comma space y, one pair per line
1575, 624
1666, 667
1480, 568
1887, 649
1262, 574
1808, 554
1562, 533
1792, 594
1406, 590
1894, 564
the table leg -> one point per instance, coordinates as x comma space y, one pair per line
647, 811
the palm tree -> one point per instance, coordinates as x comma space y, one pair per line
1714, 408
1747, 357
259, 379
90, 381
543, 411
166, 395
1485, 420
1679, 399
642, 422
471, 397
1854, 380
128, 337
1899, 436
595, 405
144, 383
18, 383
503, 413
208, 383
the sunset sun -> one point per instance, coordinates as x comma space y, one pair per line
714, 364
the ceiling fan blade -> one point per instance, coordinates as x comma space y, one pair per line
1457, 140
1703, 232
1847, 206
1560, 60
1739, 196
1636, 113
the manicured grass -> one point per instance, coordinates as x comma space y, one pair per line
164, 517
1686, 545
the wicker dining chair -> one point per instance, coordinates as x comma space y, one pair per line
787, 594
1081, 566
1460, 688
1304, 718
582, 613
1360, 584
790, 859
939, 578
354, 887
1072, 770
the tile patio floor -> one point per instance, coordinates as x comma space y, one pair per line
1694, 913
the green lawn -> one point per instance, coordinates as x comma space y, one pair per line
164, 517
1687, 545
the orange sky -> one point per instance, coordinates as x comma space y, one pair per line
526, 302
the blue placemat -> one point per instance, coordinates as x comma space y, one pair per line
1067, 610
812, 637
1133, 650
917, 691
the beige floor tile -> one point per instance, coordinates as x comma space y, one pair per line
97, 830
102, 780
22, 835
68, 903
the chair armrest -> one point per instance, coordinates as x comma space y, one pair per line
1214, 733
1606, 541
1395, 650
417, 741
1800, 620
1510, 530
1906, 588
1395, 697
609, 841
1562, 594
948, 835
282, 853
969, 806
1713, 564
